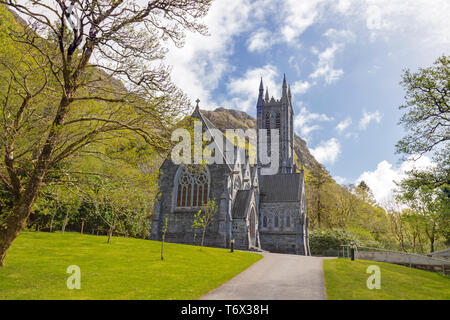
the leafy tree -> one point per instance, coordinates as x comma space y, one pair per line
427, 121
431, 205
428, 109
204, 217
318, 180
61, 103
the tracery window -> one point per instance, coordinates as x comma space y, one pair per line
288, 221
192, 187
276, 221
278, 121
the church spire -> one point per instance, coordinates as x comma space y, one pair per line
267, 94
259, 104
289, 93
284, 91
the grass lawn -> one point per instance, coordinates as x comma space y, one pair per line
346, 280
127, 268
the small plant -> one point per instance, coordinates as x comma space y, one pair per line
203, 218
197, 223
164, 230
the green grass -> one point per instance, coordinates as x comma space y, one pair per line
127, 268
346, 280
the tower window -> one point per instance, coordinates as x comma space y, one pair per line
267, 120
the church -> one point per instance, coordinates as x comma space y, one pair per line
255, 210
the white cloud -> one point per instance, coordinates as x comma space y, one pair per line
344, 124
300, 87
201, 63
306, 122
339, 180
368, 117
343, 6
327, 151
260, 41
425, 21
299, 16
244, 90
381, 180
325, 66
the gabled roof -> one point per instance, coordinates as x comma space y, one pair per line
208, 124
281, 187
241, 203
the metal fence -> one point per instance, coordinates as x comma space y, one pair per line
397, 257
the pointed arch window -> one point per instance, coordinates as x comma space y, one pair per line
265, 222
276, 222
268, 120
278, 121
192, 187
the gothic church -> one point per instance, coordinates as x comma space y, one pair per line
257, 211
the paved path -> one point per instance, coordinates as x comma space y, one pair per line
276, 276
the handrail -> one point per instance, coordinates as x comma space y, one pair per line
401, 252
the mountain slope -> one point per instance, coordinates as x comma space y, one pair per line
233, 119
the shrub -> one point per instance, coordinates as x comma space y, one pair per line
328, 241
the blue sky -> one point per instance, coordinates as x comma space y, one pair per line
343, 59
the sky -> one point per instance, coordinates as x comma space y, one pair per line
343, 60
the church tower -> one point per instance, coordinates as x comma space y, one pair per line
278, 114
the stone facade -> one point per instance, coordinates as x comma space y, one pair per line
254, 210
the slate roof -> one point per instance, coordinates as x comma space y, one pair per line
209, 125
281, 187
240, 206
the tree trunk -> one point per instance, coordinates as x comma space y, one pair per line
203, 235
51, 223
111, 229
15, 222
66, 221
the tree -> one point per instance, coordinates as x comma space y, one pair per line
427, 121
428, 109
431, 204
97, 76
317, 179
164, 230
204, 217
345, 206
397, 222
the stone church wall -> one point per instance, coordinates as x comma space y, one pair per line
286, 237
179, 227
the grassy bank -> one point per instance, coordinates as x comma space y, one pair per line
125, 269
345, 279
